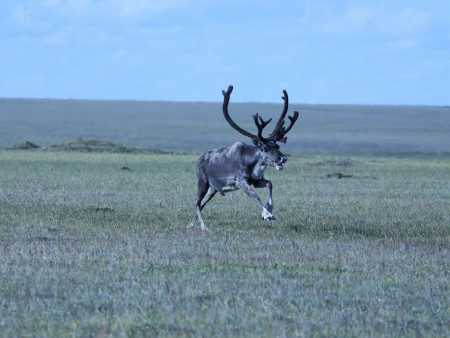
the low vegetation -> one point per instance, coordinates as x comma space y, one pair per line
88, 146
88, 248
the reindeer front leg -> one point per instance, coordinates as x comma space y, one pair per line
266, 214
262, 183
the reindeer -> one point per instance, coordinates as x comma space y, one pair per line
240, 165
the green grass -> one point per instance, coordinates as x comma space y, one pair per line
88, 249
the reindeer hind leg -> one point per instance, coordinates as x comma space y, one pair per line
209, 195
204, 195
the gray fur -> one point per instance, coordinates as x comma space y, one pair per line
237, 167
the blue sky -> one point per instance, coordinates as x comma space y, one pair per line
357, 52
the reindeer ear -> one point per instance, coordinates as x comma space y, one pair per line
261, 145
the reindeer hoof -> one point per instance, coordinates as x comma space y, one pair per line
267, 216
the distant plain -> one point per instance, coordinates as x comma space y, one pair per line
197, 126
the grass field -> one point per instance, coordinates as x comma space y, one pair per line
90, 249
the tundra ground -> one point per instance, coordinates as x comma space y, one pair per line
97, 244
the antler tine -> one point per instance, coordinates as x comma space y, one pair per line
280, 131
284, 131
280, 123
226, 100
293, 119
261, 124
285, 109
286, 105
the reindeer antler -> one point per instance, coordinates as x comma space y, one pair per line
261, 126
226, 100
277, 135
279, 132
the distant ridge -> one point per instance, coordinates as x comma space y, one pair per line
88, 146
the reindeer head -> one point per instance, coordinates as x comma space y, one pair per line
268, 146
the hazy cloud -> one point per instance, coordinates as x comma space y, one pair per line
21, 18
92, 10
356, 20
404, 43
